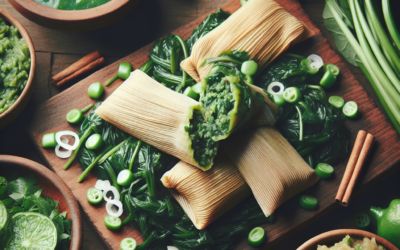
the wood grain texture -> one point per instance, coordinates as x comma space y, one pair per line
53, 187
290, 217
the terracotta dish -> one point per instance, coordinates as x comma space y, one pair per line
75, 20
332, 237
10, 114
53, 187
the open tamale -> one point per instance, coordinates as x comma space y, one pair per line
205, 196
158, 116
271, 167
170, 121
262, 28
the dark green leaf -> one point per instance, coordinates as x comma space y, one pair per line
22, 187
341, 41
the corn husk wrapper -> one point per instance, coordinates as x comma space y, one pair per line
271, 167
205, 196
262, 28
154, 114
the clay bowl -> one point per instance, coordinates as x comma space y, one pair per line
12, 113
52, 186
75, 20
332, 237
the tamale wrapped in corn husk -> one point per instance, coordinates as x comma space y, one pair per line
168, 120
262, 28
205, 196
271, 167
154, 114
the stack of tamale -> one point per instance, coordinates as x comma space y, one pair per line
257, 160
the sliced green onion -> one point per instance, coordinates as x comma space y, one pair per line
94, 142
95, 90
249, 67
279, 100
49, 140
328, 79
256, 236
350, 109
332, 68
292, 95
336, 101
124, 70
74, 116
191, 93
324, 170
125, 178
308, 202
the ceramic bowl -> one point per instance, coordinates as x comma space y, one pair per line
10, 114
75, 20
52, 186
332, 237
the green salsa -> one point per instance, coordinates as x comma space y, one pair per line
72, 4
14, 65
204, 148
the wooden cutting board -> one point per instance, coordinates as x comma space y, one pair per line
50, 117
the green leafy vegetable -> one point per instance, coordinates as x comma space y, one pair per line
341, 41
313, 126
26, 196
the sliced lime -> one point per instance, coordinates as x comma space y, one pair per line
3, 215
32, 231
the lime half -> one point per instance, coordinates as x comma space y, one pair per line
3, 215
32, 231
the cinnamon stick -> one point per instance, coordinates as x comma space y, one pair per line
73, 68
81, 71
361, 159
351, 165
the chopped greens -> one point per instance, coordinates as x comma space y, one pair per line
324, 137
22, 195
204, 148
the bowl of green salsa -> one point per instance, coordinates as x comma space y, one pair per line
74, 15
17, 66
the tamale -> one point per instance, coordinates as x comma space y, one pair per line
205, 196
271, 167
262, 28
160, 117
170, 121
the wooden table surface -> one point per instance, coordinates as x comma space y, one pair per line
55, 50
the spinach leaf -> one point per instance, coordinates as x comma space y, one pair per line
86, 157
325, 137
91, 120
341, 41
210, 23
21, 188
